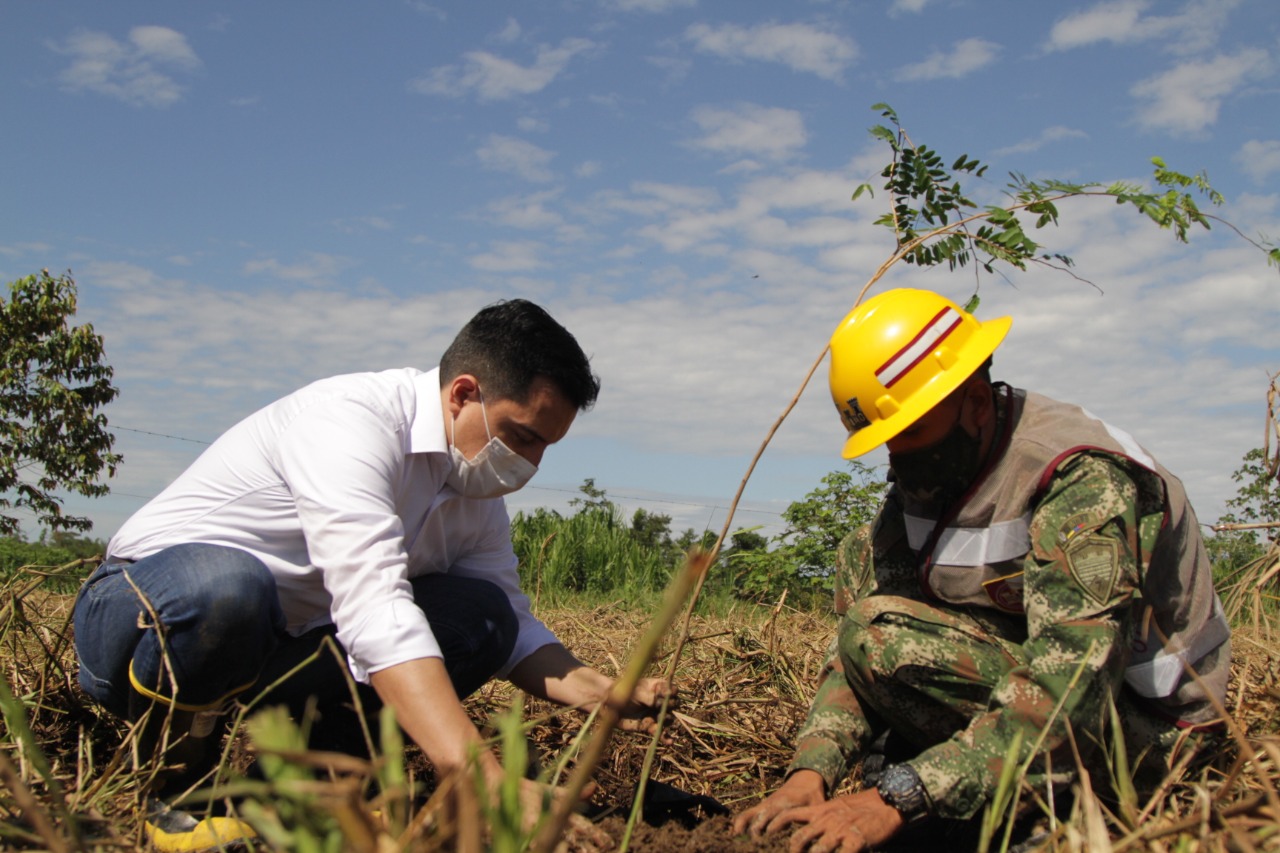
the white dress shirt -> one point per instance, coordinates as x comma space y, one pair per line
339, 488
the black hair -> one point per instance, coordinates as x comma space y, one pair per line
512, 342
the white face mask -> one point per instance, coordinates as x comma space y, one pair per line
495, 471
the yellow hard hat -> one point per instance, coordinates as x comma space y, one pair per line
899, 354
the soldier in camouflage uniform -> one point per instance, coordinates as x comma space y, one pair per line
1031, 568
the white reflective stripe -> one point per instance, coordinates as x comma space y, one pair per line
973, 546
1160, 676
920, 346
918, 530
1127, 443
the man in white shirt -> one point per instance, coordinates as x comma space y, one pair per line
366, 507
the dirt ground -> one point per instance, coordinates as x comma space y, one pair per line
744, 680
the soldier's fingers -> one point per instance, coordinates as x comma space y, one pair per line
761, 819
807, 839
787, 816
853, 841
765, 822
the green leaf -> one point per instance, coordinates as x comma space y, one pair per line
886, 111
881, 132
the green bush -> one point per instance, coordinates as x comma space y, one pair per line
592, 551
47, 553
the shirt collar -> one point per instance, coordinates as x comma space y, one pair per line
426, 432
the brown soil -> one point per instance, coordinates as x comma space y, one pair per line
744, 680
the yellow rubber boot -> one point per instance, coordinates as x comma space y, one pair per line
174, 831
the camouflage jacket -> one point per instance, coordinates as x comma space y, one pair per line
1068, 643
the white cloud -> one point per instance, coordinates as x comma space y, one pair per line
965, 57
493, 78
587, 169
1186, 98
17, 250
429, 9
362, 224
190, 357
800, 47
771, 132
138, 72
1196, 27
526, 212
318, 269
914, 7
516, 157
652, 5
1049, 135
509, 256
1116, 22
672, 68
1259, 158
510, 32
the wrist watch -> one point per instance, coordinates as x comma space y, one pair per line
900, 787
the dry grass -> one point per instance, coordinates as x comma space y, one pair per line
745, 680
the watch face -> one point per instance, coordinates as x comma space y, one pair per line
901, 788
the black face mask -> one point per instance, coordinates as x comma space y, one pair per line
939, 474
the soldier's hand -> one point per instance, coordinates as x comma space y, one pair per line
846, 824
804, 788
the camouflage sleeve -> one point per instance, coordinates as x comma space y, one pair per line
1080, 577
836, 730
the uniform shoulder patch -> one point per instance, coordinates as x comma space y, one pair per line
1095, 565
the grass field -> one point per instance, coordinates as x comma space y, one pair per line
745, 676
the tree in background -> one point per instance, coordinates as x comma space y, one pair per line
53, 382
1251, 525
593, 498
804, 559
652, 530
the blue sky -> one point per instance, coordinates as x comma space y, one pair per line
254, 195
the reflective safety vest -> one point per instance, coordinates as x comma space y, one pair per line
975, 555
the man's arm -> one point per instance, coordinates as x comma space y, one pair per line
553, 673
428, 709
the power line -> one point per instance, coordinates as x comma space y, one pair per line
161, 435
610, 495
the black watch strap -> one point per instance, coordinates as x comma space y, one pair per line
900, 787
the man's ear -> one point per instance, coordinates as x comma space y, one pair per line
463, 388
982, 402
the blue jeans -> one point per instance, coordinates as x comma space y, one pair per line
221, 632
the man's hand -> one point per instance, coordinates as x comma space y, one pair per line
537, 800
804, 788
846, 824
641, 713
553, 673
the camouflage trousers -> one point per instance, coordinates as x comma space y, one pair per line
928, 671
